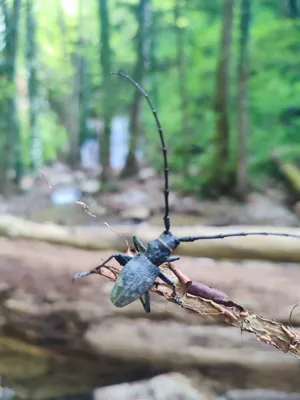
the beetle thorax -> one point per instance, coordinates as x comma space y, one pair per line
160, 249
157, 253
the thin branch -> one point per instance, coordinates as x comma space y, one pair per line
282, 337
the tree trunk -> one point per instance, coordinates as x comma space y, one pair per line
220, 167
142, 50
84, 84
291, 9
73, 114
5, 149
34, 140
242, 102
13, 153
14, 118
152, 67
105, 61
180, 62
181, 72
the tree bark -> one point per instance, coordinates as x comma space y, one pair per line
84, 84
220, 167
13, 112
291, 9
242, 102
152, 67
181, 70
13, 154
131, 165
35, 149
105, 61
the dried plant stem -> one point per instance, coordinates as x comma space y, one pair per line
284, 338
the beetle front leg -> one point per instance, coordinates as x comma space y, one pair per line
138, 244
121, 258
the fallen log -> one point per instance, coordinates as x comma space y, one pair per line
273, 248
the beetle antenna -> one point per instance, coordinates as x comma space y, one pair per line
163, 147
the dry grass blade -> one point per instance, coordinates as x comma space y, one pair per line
282, 337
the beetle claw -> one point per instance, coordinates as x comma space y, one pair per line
81, 275
177, 300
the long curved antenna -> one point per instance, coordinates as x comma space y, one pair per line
226, 235
163, 146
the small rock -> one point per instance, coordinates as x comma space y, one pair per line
27, 183
91, 186
63, 178
132, 198
188, 205
5, 291
296, 209
163, 387
79, 176
262, 210
98, 209
137, 213
7, 393
146, 173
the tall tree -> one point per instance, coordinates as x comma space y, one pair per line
31, 60
242, 101
142, 51
221, 167
83, 76
73, 112
180, 63
105, 61
152, 67
13, 153
291, 9
179, 7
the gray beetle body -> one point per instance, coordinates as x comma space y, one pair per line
139, 273
135, 279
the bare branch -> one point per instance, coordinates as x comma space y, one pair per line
282, 337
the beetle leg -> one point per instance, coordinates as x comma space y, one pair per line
146, 302
121, 258
173, 258
138, 244
168, 281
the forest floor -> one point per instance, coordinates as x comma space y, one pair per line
52, 197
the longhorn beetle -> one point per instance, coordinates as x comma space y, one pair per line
139, 272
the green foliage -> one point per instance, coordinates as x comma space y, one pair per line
273, 90
274, 84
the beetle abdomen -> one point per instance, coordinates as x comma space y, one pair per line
136, 277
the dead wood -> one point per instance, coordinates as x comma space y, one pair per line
283, 338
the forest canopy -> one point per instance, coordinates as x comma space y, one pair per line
223, 75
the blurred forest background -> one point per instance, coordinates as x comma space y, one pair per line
223, 75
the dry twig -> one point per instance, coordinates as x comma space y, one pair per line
284, 338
